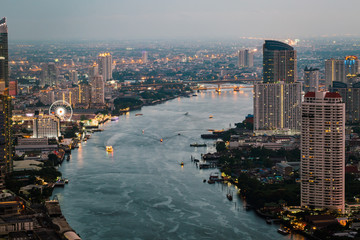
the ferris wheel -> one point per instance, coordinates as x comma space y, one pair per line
62, 110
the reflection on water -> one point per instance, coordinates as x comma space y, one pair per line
141, 191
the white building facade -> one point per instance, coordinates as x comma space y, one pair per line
323, 151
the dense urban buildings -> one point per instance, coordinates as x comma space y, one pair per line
279, 62
246, 58
323, 151
4, 56
311, 79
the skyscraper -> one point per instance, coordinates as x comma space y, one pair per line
144, 57
4, 56
279, 62
97, 90
105, 66
84, 93
350, 94
311, 79
73, 75
277, 100
334, 71
246, 58
277, 108
49, 74
323, 151
5, 135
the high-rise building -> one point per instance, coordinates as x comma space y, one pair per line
46, 126
334, 71
49, 74
277, 100
323, 151
352, 65
279, 62
144, 57
338, 70
5, 135
105, 66
73, 75
311, 79
13, 88
84, 93
97, 90
277, 108
4, 56
350, 94
246, 58
93, 71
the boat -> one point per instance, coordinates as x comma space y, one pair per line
283, 231
161, 140
187, 113
68, 158
198, 145
204, 180
229, 196
109, 148
210, 181
114, 118
138, 114
211, 116
59, 182
66, 181
214, 176
236, 89
195, 95
182, 164
268, 221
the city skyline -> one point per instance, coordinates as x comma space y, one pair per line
159, 19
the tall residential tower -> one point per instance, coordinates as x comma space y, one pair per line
279, 62
323, 151
277, 100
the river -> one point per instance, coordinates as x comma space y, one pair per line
140, 191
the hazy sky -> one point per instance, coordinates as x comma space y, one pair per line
187, 19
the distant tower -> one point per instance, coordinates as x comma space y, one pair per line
97, 90
246, 58
84, 93
93, 71
49, 74
105, 66
13, 88
334, 71
323, 151
4, 56
73, 75
351, 67
311, 79
279, 62
144, 57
